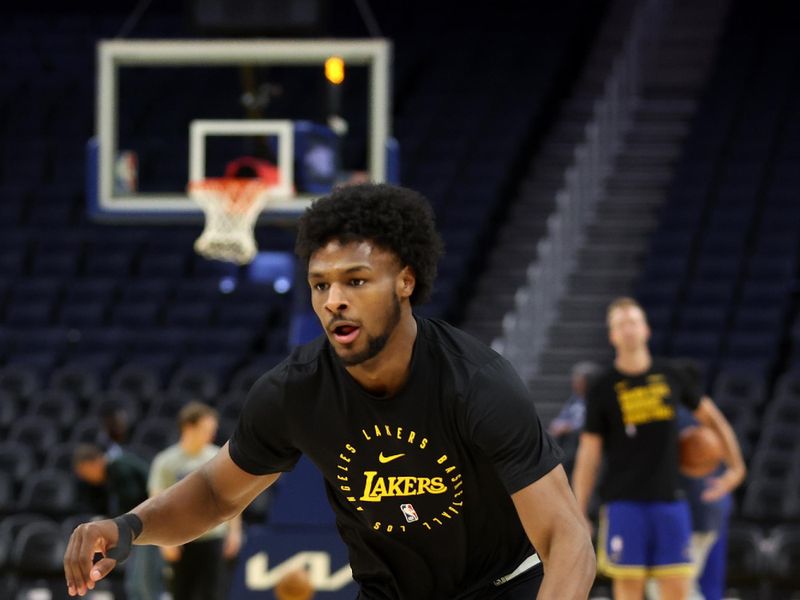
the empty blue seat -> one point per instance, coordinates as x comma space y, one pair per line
138, 380
167, 405
89, 430
29, 313
221, 364
145, 290
136, 315
707, 295
666, 243
717, 268
17, 460
58, 265
658, 294
772, 267
97, 339
52, 215
210, 341
788, 387
701, 346
765, 499
753, 319
747, 388
80, 382
752, 345
100, 364
57, 406
721, 243
251, 315
660, 318
246, 291
155, 433
162, 265
10, 213
196, 382
108, 264
759, 294
213, 269
161, 362
40, 339
12, 262
189, 314
700, 318
37, 432
20, 382
35, 555
59, 458
665, 266
91, 290
193, 290
49, 493
83, 314
37, 289
171, 340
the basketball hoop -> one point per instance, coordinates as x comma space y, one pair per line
231, 206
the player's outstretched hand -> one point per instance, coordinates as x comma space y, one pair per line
79, 567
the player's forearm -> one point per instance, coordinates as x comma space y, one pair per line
569, 568
732, 451
711, 416
182, 512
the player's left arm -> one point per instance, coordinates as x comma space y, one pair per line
555, 526
708, 414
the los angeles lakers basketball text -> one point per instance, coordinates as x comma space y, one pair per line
377, 469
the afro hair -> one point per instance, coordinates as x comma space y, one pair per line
397, 219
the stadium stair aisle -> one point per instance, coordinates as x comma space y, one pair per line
526, 223
618, 235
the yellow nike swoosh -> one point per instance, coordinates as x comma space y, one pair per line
386, 459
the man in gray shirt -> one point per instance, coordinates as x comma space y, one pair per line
197, 566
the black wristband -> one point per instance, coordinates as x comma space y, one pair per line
129, 527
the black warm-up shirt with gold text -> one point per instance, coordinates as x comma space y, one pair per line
636, 415
420, 482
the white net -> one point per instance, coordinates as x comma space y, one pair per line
231, 206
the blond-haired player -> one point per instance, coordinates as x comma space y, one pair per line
631, 411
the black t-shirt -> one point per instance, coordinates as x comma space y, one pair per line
420, 482
637, 418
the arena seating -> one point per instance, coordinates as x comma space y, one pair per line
93, 316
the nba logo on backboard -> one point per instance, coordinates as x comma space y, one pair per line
409, 513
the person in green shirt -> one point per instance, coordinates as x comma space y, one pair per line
124, 477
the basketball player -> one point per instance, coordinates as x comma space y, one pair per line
645, 525
443, 482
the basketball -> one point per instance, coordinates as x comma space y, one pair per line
701, 451
294, 586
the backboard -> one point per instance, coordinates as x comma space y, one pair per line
159, 109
